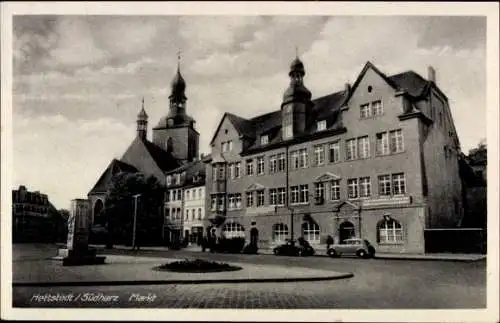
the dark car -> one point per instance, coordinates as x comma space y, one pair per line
291, 248
354, 246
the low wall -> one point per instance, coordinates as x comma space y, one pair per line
455, 240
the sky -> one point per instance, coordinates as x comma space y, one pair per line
78, 81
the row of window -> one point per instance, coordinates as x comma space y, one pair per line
192, 214
227, 146
193, 194
30, 208
388, 185
371, 109
389, 142
388, 231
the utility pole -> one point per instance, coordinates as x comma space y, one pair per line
135, 220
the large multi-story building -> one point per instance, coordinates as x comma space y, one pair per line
185, 204
34, 218
377, 160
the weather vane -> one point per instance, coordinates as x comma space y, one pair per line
179, 57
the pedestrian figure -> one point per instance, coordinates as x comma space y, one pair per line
329, 242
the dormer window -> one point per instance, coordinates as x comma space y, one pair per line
321, 125
177, 178
264, 140
169, 180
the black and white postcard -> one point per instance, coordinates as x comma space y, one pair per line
233, 161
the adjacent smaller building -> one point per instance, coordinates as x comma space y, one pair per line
185, 204
34, 218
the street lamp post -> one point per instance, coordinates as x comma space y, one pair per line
135, 220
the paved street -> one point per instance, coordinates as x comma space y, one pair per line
376, 284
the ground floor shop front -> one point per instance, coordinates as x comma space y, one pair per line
390, 229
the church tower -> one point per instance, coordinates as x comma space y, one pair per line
175, 132
296, 102
142, 123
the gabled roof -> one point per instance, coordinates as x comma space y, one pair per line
327, 108
162, 158
192, 169
114, 167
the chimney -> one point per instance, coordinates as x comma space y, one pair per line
348, 88
431, 74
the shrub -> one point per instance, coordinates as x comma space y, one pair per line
197, 266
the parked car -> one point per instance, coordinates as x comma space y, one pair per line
292, 248
353, 246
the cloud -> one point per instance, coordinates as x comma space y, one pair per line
64, 158
76, 45
79, 80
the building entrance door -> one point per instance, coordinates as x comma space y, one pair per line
346, 231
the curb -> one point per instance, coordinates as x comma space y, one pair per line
432, 259
181, 282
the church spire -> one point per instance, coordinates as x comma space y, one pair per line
142, 122
178, 86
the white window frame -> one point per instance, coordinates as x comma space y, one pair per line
365, 111
287, 131
237, 170
232, 230
261, 198
352, 187
351, 149
384, 185
294, 156
398, 184
221, 203
365, 187
280, 232
377, 109
273, 196
319, 155
391, 232
364, 147
281, 162
382, 144
238, 201
199, 214
249, 198
169, 180
273, 164
396, 141
304, 194
319, 189
260, 165
335, 190
303, 158
281, 196
321, 125
250, 167
294, 195
311, 232
264, 140
334, 150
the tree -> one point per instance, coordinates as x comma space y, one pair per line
120, 205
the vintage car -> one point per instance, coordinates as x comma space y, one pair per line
293, 248
354, 247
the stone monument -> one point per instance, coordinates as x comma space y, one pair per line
77, 251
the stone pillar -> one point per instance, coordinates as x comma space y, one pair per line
78, 225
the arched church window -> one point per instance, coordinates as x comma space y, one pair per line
169, 144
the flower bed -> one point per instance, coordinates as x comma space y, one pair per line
197, 266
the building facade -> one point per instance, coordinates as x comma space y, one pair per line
377, 160
184, 210
34, 218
